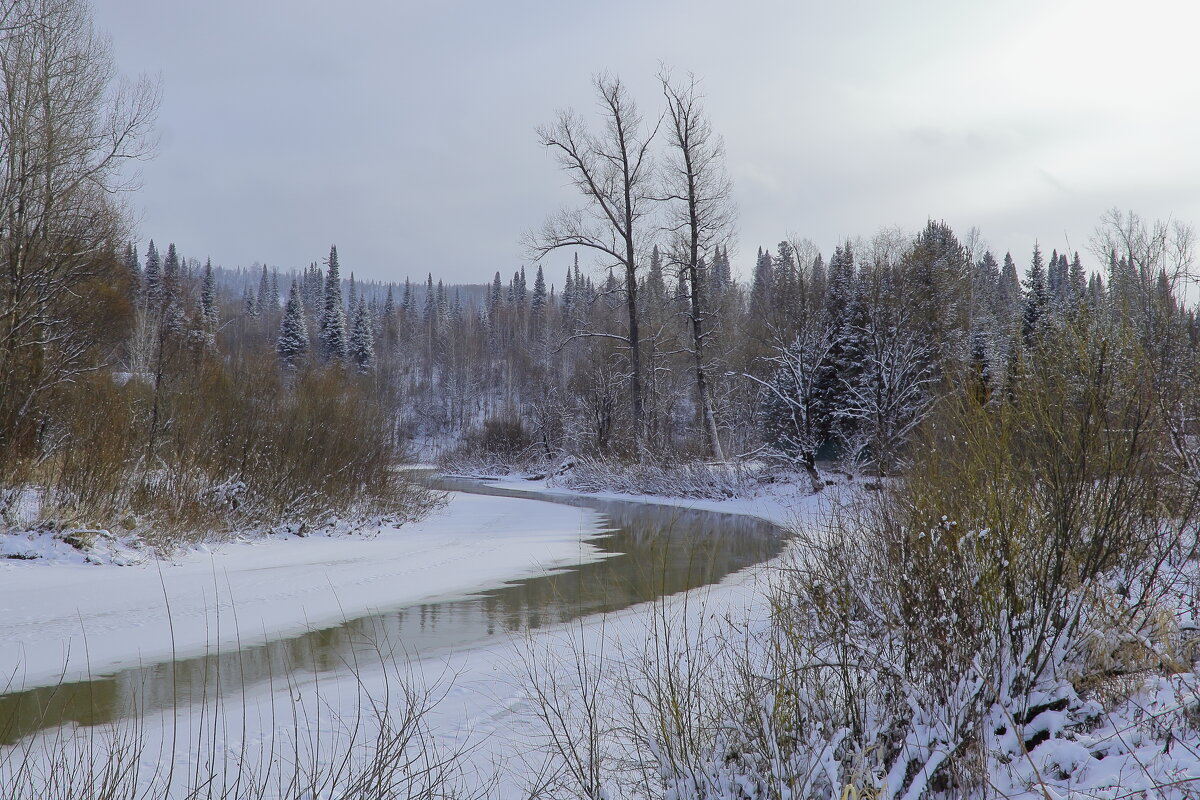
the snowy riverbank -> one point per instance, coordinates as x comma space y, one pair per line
275, 587
66, 621
787, 505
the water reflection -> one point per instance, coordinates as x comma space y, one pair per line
658, 551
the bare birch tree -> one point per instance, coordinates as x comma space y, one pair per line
698, 191
613, 170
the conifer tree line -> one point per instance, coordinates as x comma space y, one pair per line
808, 357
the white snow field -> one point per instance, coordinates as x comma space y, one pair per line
485, 701
66, 621
284, 587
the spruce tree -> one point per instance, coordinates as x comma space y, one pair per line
408, 304
1056, 280
313, 292
152, 285
208, 299
170, 273
389, 305
818, 279
720, 271
568, 293
293, 332
362, 340
843, 361
430, 313
173, 316
537, 307
655, 286
1077, 279
497, 290
936, 273
763, 287
334, 345
374, 315
1036, 295
266, 303
133, 272
986, 283
1009, 290
443, 303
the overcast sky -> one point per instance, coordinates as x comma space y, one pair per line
404, 131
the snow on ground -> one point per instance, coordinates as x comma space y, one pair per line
63, 621
486, 704
487, 707
286, 587
786, 504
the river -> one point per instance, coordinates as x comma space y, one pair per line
651, 551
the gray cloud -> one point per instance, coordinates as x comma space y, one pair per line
404, 131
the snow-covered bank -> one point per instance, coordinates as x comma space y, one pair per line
487, 707
65, 621
487, 704
784, 504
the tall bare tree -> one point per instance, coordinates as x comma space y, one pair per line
701, 218
613, 170
1162, 250
66, 129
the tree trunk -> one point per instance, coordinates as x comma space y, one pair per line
703, 396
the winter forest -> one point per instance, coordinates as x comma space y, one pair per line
981, 470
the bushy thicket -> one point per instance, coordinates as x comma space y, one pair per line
232, 448
991, 601
202, 430
502, 446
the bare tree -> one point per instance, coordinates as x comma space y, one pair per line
1151, 254
698, 189
1165, 246
65, 132
613, 171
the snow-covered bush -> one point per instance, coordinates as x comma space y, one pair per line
498, 446
1014, 616
689, 479
992, 621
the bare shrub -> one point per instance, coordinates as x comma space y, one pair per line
498, 446
930, 633
234, 447
992, 622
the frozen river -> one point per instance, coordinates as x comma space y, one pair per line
629, 553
